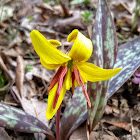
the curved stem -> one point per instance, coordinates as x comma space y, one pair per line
57, 123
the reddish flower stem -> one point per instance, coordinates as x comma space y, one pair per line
60, 83
57, 123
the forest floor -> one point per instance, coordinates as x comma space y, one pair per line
18, 18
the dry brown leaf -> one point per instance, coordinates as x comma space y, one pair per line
32, 105
108, 110
68, 24
98, 136
124, 125
80, 133
4, 135
40, 72
25, 10
20, 74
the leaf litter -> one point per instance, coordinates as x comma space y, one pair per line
30, 86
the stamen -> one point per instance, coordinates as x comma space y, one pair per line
76, 75
60, 83
84, 89
73, 85
55, 78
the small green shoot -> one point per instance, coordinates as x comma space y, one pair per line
121, 38
30, 17
3, 80
12, 34
88, 16
28, 51
46, 99
78, 2
28, 67
51, 1
46, 1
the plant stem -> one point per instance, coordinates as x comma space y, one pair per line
101, 105
57, 123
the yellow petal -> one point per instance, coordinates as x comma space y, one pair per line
46, 50
49, 66
68, 80
50, 111
82, 47
55, 43
94, 73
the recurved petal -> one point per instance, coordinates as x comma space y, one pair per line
49, 66
55, 43
46, 50
94, 73
82, 47
50, 111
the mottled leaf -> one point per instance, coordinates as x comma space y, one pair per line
129, 58
104, 56
74, 113
16, 119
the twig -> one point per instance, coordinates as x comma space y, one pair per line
9, 103
12, 92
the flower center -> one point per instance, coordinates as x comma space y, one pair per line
59, 78
70, 64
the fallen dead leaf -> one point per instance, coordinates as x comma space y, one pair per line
124, 125
108, 110
80, 133
4, 135
40, 72
98, 136
68, 24
32, 106
20, 74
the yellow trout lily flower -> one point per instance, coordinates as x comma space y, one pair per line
73, 70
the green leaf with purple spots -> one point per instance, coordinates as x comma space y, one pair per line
128, 57
16, 119
76, 107
104, 55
